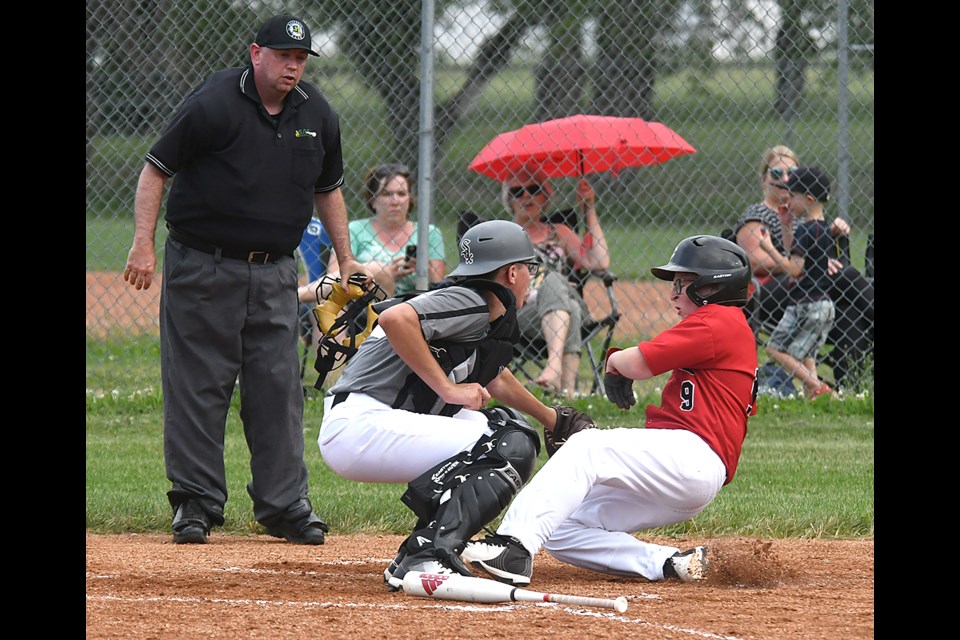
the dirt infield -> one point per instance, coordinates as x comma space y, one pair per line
144, 586
113, 304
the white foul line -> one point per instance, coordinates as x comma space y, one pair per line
468, 608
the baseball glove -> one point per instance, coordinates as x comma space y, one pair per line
618, 387
569, 422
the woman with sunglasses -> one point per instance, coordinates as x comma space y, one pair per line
381, 241
852, 336
555, 310
770, 216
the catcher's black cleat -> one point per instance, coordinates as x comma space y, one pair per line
422, 562
392, 568
503, 557
687, 566
191, 524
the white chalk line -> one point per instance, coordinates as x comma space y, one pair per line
305, 605
488, 608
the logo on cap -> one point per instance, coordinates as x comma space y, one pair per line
465, 253
295, 30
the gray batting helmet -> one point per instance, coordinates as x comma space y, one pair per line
717, 261
487, 246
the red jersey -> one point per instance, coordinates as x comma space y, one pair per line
713, 388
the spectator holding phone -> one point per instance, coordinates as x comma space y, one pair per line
382, 242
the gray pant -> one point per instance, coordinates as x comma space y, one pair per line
555, 293
803, 328
220, 319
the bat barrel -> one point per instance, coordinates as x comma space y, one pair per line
455, 587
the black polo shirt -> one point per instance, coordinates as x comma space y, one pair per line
244, 179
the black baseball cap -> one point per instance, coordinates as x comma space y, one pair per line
808, 181
285, 32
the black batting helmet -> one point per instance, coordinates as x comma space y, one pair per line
717, 262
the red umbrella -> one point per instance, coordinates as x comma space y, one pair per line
579, 145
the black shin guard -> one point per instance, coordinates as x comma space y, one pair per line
456, 498
483, 494
473, 504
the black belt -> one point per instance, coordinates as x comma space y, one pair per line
339, 397
254, 257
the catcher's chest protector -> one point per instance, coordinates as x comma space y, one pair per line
493, 352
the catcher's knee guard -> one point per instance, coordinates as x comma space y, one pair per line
505, 419
518, 449
501, 416
483, 494
465, 494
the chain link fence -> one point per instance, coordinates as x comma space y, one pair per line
732, 77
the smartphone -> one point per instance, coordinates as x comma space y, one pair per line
411, 251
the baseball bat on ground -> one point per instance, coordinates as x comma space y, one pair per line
457, 587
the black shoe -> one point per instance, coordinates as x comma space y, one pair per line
503, 557
191, 524
420, 562
307, 530
419, 553
392, 568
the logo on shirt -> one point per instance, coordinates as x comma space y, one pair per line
303, 133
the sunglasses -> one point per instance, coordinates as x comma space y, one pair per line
533, 268
532, 189
779, 174
678, 285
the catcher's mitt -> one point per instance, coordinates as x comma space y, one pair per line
569, 422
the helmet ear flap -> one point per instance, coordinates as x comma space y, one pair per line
718, 296
693, 292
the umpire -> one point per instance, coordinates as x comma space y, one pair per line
254, 151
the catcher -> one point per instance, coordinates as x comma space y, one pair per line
411, 404
586, 503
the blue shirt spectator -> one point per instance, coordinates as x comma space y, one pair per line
314, 247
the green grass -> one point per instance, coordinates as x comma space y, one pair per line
807, 470
633, 249
123, 371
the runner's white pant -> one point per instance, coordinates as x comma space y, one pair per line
605, 484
